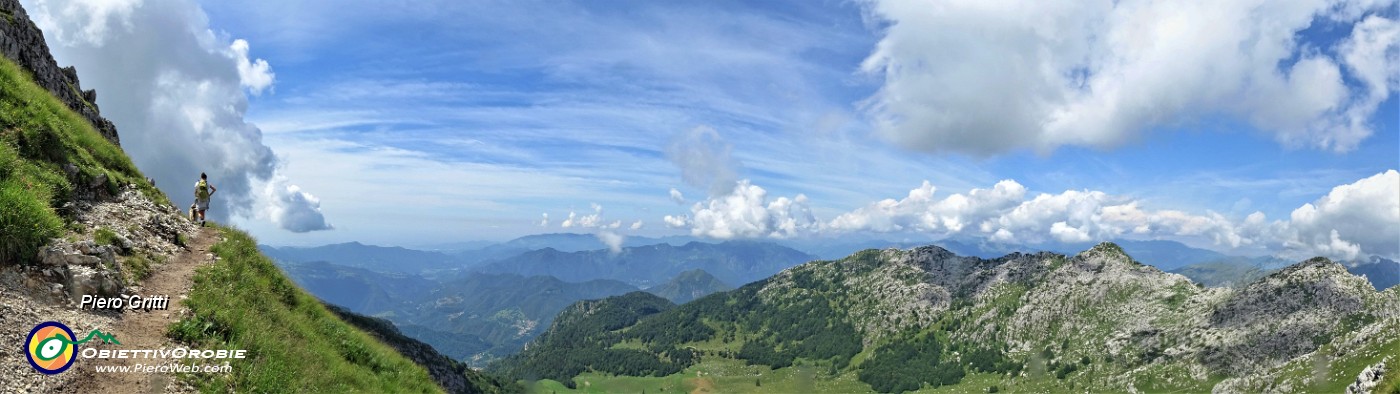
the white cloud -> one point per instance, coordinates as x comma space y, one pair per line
1372, 55
1352, 220
293, 209
544, 219
705, 160
86, 22
676, 221
677, 197
592, 220
745, 212
613, 240
920, 212
1064, 233
637, 225
1045, 74
256, 75
175, 90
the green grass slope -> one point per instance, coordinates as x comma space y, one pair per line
38, 137
244, 302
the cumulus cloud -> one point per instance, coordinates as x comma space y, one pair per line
88, 21
1045, 74
637, 225
676, 221
920, 212
1353, 220
592, 220
1002, 213
704, 159
746, 212
1360, 218
613, 240
256, 75
293, 209
677, 197
176, 91
544, 220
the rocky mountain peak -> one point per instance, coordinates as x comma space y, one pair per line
1313, 269
1107, 250
22, 42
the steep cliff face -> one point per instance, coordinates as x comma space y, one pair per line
22, 42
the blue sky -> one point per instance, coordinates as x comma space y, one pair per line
429, 122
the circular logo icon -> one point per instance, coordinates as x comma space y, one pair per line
49, 347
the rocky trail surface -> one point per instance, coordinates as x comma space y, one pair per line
146, 329
134, 329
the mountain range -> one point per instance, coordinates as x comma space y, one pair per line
370, 257
731, 262
901, 320
688, 286
477, 318
482, 312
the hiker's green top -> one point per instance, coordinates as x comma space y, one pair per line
201, 190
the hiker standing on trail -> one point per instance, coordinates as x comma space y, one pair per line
202, 191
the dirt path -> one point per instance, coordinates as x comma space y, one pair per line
702, 385
146, 329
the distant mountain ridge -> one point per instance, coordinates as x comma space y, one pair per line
731, 262
1238, 271
688, 286
564, 242
370, 257
503, 310
1044, 322
361, 290
1227, 272
1163, 254
1382, 272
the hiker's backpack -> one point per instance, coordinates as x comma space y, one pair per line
201, 189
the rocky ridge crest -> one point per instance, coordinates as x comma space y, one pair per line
1102, 303
23, 42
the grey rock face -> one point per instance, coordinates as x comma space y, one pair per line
83, 267
97, 282
1369, 378
22, 42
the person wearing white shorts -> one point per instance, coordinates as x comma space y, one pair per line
202, 190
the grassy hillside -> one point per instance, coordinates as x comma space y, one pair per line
244, 302
39, 136
50, 157
450, 374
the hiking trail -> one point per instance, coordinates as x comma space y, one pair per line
137, 329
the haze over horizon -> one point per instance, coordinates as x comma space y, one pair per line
1265, 129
